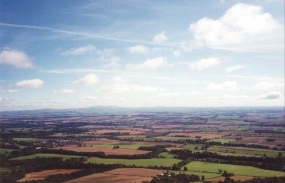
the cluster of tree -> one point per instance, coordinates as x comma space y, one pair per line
153, 148
173, 178
260, 162
179, 165
256, 180
9, 146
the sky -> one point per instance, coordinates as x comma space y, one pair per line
131, 53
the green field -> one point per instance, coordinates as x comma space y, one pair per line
3, 150
2, 170
244, 151
46, 156
221, 140
236, 169
166, 155
27, 139
138, 162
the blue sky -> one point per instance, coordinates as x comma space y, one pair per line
62, 54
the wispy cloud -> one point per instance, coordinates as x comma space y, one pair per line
149, 64
79, 51
228, 85
88, 35
65, 91
236, 67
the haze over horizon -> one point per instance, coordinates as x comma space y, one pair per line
74, 54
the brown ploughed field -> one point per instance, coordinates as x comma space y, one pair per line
120, 175
43, 174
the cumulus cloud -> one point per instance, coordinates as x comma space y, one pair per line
79, 51
235, 27
204, 63
138, 49
236, 67
160, 38
65, 91
90, 79
149, 64
268, 86
228, 85
33, 83
15, 58
270, 96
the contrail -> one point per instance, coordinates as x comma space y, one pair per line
85, 34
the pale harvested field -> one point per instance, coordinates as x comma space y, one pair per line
166, 126
120, 175
107, 151
193, 135
129, 131
235, 177
43, 174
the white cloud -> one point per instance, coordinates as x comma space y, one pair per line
90, 79
119, 85
108, 57
124, 87
65, 91
270, 96
150, 64
90, 98
269, 86
15, 58
228, 85
34, 83
204, 63
112, 61
79, 51
241, 23
138, 49
236, 67
177, 53
160, 38
169, 94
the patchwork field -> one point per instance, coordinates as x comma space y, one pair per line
138, 162
28, 139
243, 151
121, 175
43, 174
194, 135
45, 156
236, 169
108, 151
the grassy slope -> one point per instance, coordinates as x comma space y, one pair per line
45, 156
236, 169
